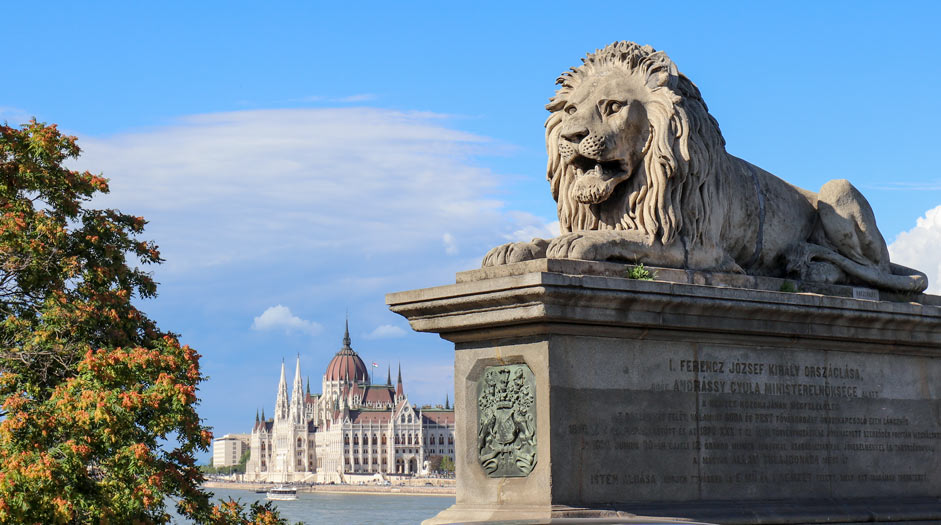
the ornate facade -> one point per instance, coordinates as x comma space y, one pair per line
352, 427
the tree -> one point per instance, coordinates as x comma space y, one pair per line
98, 405
447, 464
434, 463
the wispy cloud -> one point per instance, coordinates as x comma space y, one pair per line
362, 97
14, 116
907, 186
359, 97
307, 182
920, 248
279, 317
386, 331
450, 245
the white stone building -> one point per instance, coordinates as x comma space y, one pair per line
228, 450
353, 427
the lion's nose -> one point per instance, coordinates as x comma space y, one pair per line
575, 136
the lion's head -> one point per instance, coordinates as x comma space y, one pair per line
631, 145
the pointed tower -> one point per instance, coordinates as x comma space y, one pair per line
346, 366
399, 392
281, 407
297, 395
447, 402
389, 376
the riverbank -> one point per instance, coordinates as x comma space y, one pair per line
405, 490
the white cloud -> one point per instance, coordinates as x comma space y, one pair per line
530, 227
450, 247
280, 318
920, 248
305, 184
386, 331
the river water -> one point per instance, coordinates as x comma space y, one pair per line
314, 508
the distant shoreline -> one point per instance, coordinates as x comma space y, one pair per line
393, 490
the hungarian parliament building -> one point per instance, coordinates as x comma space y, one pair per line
352, 428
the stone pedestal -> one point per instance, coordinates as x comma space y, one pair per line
700, 396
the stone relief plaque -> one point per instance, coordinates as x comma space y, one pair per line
506, 421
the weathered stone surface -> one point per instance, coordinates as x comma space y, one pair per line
705, 402
639, 170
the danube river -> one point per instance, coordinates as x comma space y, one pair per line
314, 508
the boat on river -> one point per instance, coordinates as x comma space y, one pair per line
282, 493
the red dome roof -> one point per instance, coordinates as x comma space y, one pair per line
346, 364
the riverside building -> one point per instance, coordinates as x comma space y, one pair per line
352, 428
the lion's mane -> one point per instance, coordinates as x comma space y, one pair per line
667, 194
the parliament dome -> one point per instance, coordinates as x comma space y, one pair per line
347, 364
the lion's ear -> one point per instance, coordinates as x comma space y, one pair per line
555, 104
662, 71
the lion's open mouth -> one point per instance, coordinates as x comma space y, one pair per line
605, 170
595, 180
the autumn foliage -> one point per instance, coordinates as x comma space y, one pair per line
98, 420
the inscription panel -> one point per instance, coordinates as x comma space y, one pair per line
726, 422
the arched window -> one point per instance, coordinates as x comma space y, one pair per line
356, 439
300, 443
396, 439
409, 439
450, 440
441, 439
346, 439
383, 439
374, 440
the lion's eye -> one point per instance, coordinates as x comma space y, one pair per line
613, 107
570, 110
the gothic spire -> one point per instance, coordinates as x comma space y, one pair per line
447, 402
281, 407
256, 415
297, 394
346, 334
308, 385
399, 392
389, 376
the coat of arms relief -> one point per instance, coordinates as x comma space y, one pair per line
506, 421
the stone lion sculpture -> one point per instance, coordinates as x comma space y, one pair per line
639, 170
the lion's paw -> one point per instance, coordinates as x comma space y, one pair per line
577, 245
515, 252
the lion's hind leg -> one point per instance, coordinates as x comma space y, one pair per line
850, 225
856, 247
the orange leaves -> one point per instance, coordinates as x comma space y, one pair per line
80, 450
141, 451
63, 508
99, 183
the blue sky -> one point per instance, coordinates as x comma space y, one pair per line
300, 160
